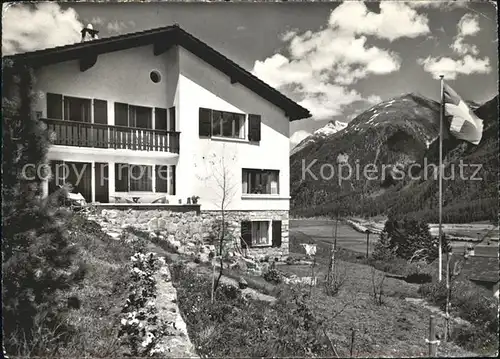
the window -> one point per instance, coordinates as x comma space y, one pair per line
165, 179
139, 117
133, 116
260, 181
76, 109
121, 177
141, 178
161, 119
260, 233
221, 124
162, 122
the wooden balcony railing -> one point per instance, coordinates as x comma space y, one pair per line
83, 134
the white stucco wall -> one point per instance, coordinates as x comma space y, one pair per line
122, 76
201, 85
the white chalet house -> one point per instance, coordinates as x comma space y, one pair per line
158, 116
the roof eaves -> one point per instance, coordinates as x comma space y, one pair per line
73, 51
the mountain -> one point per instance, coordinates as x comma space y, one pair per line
400, 133
325, 131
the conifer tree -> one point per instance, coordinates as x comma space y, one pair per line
38, 260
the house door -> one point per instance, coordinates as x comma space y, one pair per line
80, 177
101, 182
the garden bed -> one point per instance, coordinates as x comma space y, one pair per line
237, 326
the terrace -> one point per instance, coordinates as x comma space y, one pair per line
96, 135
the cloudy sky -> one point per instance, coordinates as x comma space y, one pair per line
336, 59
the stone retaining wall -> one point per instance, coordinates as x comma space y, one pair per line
192, 227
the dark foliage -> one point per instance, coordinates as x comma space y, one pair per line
273, 276
233, 326
38, 259
408, 239
469, 303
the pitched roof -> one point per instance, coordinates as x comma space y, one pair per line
164, 37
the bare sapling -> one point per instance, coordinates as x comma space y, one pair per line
220, 180
378, 287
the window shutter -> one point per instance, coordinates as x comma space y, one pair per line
54, 106
171, 117
132, 116
121, 177
160, 119
101, 111
205, 125
276, 233
246, 234
254, 127
121, 114
172, 181
244, 182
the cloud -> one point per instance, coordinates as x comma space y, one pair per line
441, 4
241, 28
321, 65
394, 21
451, 68
469, 64
467, 26
117, 27
297, 137
34, 27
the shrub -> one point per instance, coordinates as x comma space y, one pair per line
467, 302
273, 276
393, 265
409, 239
418, 278
474, 339
233, 326
475, 307
435, 292
335, 278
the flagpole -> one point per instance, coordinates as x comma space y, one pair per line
440, 172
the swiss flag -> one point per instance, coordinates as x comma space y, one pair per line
464, 125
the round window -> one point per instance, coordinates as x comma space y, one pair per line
155, 76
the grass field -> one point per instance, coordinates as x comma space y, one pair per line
321, 231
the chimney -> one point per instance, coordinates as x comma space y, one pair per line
88, 33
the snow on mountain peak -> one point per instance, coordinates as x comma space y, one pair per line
331, 128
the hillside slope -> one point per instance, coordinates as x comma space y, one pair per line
398, 134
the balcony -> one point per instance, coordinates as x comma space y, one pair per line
83, 134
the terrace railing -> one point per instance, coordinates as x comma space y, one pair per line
84, 134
